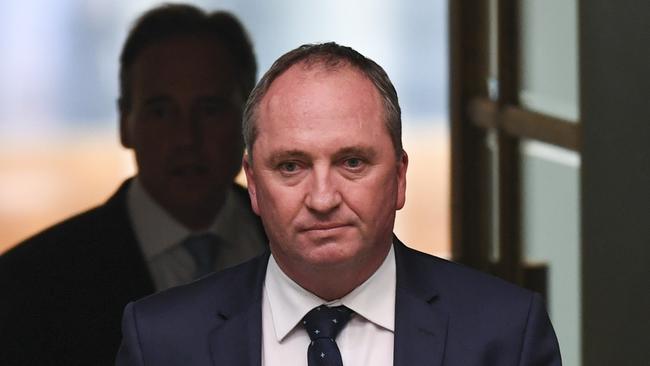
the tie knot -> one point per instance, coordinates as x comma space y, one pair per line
326, 322
202, 248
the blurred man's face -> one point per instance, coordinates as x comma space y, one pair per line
184, 125
324, 176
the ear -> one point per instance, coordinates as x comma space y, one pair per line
402, 166
125, 128
250, 180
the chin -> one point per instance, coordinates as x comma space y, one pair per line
332, 254
188, 198
188, 185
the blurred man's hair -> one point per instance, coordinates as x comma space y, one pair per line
174, 20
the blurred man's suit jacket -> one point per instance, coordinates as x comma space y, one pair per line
63, 291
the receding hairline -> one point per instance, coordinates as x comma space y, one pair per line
318, 64
312, 68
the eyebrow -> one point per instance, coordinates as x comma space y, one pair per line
156, 99
367, 152
216, 99
279, 156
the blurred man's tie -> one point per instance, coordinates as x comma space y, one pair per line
203, 249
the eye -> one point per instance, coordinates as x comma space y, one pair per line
212, 109
288, 167
159, 111
353, 163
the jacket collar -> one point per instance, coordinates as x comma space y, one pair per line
420, 320
237, 336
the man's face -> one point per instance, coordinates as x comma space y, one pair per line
324, 176
184, 122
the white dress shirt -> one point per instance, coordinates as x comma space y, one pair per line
367, 339
160, 236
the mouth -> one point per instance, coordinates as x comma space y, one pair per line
324, 227
189, 170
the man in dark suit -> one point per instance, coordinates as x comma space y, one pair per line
326, 172
184, 77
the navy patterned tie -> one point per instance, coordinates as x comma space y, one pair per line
323, 324
203, 250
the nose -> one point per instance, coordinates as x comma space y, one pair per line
323, 196
188, 130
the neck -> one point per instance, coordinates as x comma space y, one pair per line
333, 282
194, 218
195, 215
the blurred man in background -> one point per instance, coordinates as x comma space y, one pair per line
184, 77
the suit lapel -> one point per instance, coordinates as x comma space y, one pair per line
121, 251
237, 340
420, 322
237, 337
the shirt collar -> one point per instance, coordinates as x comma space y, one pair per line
156, 230
373, 300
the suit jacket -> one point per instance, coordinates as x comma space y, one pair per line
63, 291
445, 314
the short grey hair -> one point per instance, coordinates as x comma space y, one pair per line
331, 56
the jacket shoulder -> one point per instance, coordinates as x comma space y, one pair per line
56, 239
183, 312
458, 284
74, 232
490, 321
226, 289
